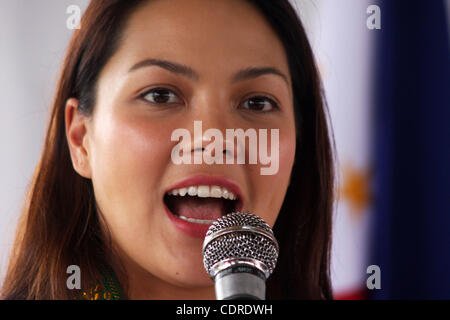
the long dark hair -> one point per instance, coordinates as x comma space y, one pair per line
60, 224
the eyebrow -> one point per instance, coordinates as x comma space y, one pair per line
245, 74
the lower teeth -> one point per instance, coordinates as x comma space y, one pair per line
197, 220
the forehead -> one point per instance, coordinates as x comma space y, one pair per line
210, 36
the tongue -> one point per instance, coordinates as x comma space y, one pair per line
198, 208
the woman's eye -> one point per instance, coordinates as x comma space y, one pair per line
160, 96
260, 104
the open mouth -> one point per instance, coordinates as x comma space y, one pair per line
201, 204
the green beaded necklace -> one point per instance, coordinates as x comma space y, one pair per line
110, 290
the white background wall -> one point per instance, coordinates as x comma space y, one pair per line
33, 38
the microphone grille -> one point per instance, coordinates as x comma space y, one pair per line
240, 236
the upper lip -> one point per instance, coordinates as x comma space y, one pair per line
211, 181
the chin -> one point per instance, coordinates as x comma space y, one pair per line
189, 279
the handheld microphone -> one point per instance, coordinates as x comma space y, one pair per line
239, 253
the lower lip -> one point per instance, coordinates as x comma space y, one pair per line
196, 230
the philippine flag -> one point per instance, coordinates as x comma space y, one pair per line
386, 72
344, 48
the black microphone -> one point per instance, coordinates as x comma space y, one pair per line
239, 253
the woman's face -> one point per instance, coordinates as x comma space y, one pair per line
128, 138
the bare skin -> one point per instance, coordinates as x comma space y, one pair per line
125, 146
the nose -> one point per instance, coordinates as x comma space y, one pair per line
211, 115
207, 142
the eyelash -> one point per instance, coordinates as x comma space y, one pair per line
274, 104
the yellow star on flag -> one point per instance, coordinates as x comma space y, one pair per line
355, 189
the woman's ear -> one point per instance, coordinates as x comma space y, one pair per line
77, 138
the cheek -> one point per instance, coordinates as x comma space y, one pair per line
129, 155
288, 146
287, 157
271, 189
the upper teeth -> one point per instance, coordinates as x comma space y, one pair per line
204, 192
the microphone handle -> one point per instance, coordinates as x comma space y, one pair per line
240, 283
